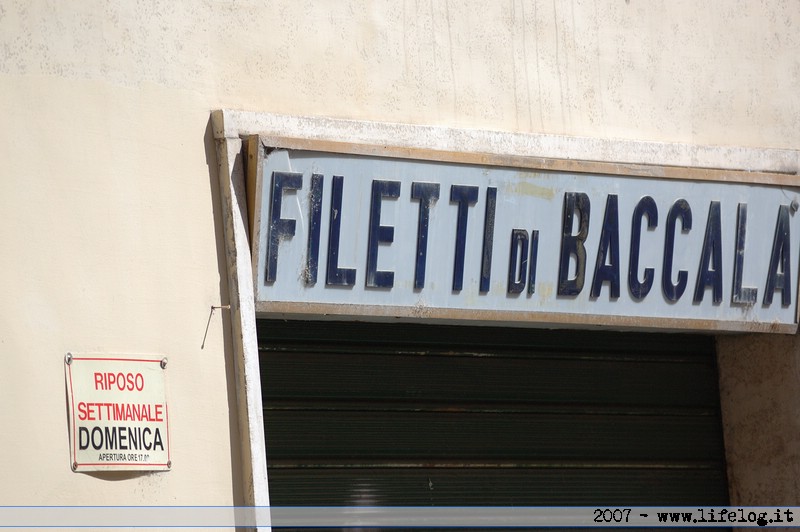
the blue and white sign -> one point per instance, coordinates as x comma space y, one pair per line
379, 237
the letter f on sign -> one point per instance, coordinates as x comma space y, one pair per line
279, 228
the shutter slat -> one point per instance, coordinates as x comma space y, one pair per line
495, 487
487, 379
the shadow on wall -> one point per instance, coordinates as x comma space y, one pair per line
230, 377
759, 378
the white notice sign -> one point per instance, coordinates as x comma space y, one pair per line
117, 413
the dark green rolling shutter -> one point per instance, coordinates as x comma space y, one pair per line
399, 414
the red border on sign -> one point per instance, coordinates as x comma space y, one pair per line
74, 425
117, 359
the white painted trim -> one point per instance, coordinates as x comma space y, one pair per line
233, 124
243, 323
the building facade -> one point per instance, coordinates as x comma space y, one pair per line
127, 229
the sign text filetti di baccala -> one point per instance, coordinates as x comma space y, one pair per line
374, 236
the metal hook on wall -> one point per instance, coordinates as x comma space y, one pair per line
213, 308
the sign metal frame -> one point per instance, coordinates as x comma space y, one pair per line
259, 146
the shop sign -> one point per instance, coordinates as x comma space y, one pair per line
377, 237
118, 416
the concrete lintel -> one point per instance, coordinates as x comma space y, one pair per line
234, 124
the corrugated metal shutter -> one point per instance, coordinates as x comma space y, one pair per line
400, 414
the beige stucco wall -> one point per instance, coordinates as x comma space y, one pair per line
111, 233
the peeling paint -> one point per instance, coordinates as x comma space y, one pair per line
545, 291
522, 188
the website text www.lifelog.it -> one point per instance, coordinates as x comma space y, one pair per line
775, 516
349, 517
